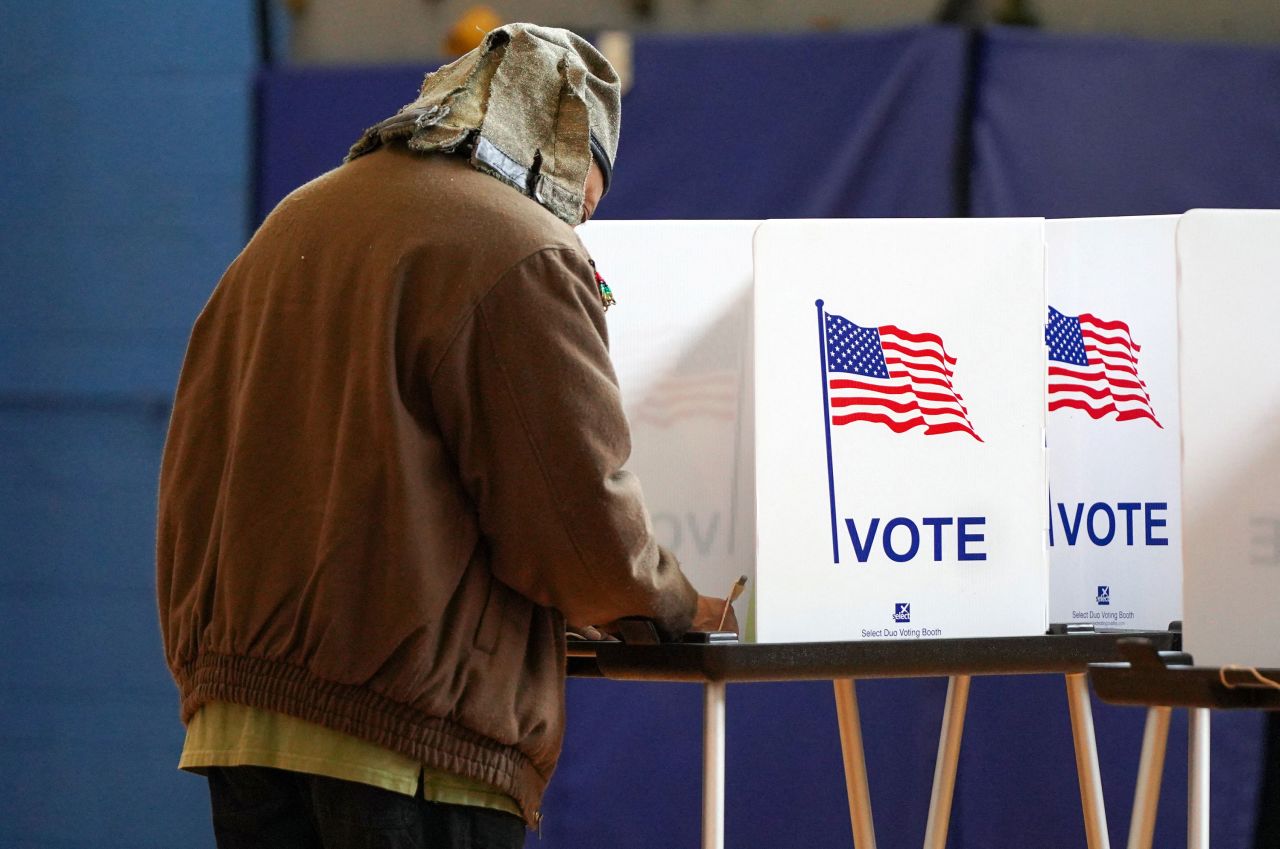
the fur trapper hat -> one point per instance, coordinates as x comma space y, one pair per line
531, 106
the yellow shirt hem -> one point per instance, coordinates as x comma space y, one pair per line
223, 734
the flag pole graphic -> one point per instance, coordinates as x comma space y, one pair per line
826, 426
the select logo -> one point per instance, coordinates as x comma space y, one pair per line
1104, 595
902, 611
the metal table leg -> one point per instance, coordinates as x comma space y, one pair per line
713, 700
1198, 779
1095, 815
1146, 798
855, 764
944, 770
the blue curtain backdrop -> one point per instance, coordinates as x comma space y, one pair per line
1069, 127
730, 127
126, 194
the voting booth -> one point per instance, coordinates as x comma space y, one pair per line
1229, 300
899, 429
1115, 546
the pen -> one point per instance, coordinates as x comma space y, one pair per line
734, 592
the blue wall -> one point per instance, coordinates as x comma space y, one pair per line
124, 167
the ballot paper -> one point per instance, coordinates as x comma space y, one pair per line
1115, 544
899, 431
1228, 303
679, 339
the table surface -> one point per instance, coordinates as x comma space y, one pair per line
1182, 686
740, 662
1149, 676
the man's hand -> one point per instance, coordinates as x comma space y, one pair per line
587, 632
713, 614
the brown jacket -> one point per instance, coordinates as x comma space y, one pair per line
394, 465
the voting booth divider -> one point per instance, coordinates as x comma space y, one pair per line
679, 340
900, 429
1229, 301
1113, 422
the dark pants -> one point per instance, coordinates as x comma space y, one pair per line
260, 808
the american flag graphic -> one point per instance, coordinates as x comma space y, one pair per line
676, 398
703, 383
1093, 367
892, 377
